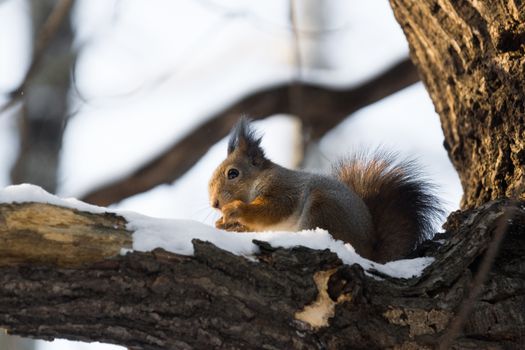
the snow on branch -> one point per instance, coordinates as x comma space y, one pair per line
134, 231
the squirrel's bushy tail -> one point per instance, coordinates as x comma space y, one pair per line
401, 202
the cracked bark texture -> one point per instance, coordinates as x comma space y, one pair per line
471, 57
160, 300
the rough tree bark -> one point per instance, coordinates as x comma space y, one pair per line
79, 287
471, 55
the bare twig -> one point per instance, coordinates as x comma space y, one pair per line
295, 95
295, 91
45, 36
479, 280
323, 109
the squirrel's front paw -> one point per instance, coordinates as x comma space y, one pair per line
230, 226
232, 211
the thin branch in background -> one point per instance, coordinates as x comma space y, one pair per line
45, 36
479, 280
295, 91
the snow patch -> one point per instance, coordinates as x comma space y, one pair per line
176, 235
31, 193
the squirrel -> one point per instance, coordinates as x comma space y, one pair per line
380, 205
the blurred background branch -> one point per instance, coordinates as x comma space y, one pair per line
323, 109
44, 91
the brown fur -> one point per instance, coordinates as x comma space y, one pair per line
400, 201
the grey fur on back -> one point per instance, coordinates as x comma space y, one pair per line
331, 205
403, 206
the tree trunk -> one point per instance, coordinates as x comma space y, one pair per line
470, 55
285, 299
45, 95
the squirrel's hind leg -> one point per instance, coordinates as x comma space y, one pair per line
322, 211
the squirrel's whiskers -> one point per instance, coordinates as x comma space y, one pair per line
205, 211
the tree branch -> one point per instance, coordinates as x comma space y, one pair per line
160, 300
480, 279
323, 109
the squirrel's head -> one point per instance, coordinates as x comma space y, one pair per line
237, 176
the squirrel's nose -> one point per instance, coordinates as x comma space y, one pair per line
216, 204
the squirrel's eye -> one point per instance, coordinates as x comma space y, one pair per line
233, 173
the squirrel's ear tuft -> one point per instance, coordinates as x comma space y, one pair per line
243, 138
